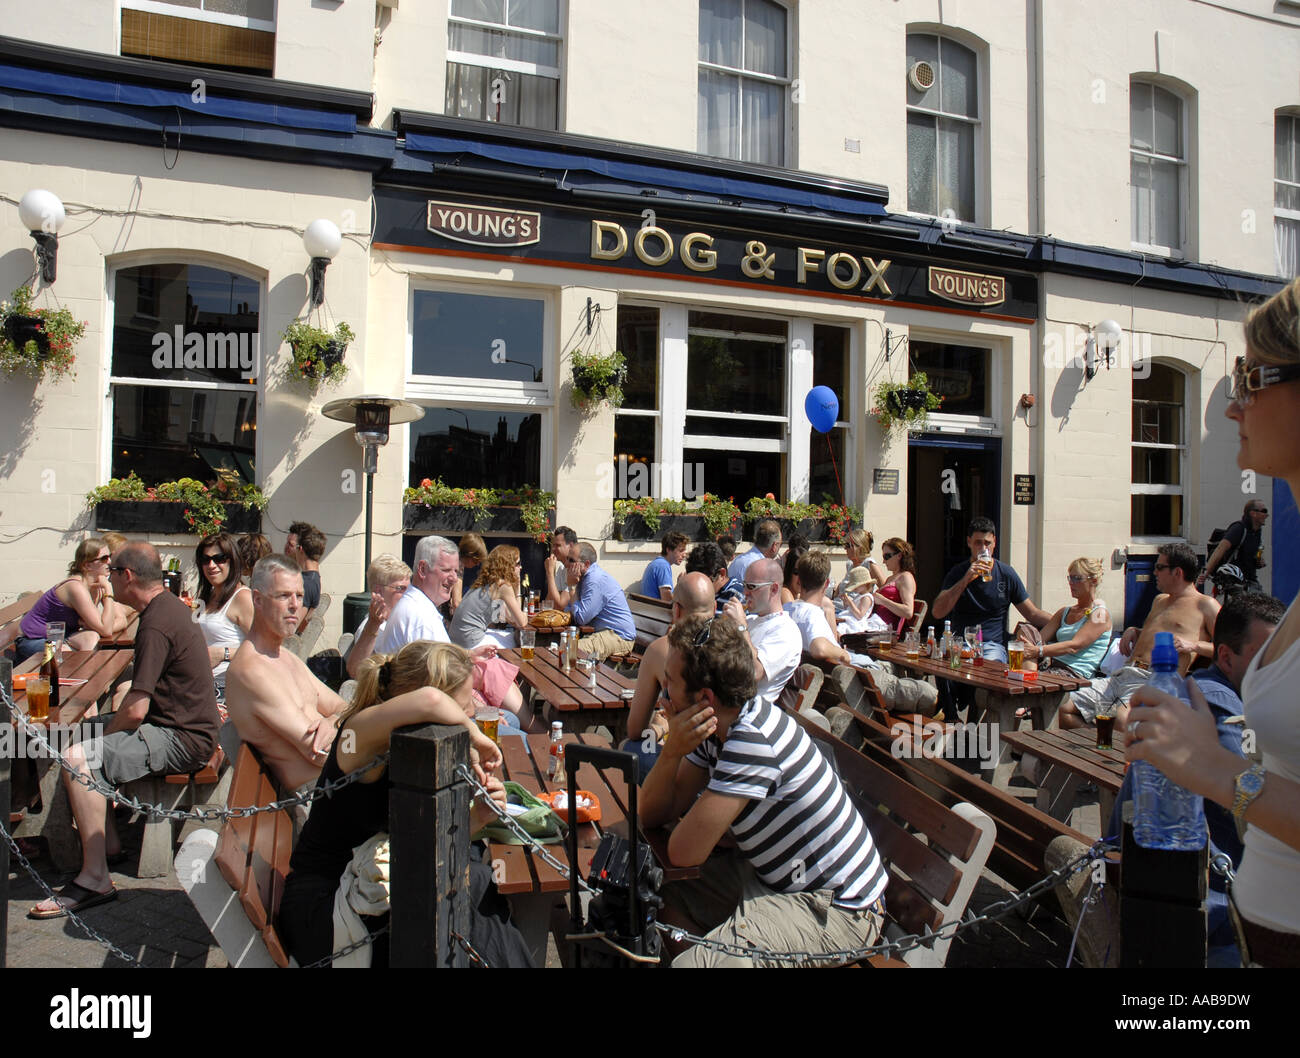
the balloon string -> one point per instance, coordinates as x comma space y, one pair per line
835, 468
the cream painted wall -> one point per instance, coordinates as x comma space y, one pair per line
229, 212
325, 42
410, 65
64, 23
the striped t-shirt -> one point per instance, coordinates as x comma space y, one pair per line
799, 829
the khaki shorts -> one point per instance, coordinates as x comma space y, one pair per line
734, 906
602, 644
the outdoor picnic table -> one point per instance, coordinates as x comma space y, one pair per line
124, 638
102, 670
1067, 759
996, 694
569, 698
535, 887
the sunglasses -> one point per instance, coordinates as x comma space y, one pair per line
1247, 381
117, 569
702, 636
887, 555
1259, 510
1074, 578
101, 558
1160, 567
219, 558
754, 586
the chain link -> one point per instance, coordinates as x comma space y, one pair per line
37, 736
474, 956
50, 894
354, 946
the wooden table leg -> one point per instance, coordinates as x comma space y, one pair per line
1000, 709
1056, 791
531, 915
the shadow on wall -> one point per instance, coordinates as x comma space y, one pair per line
338, 501
1069, 384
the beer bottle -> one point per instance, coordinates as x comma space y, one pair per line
557, 752
50, 671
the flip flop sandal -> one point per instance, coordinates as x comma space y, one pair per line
81, 897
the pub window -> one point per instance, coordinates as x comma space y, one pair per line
744, 80
826, 453
185, 358
503, 61
1158, 170
237, 35
957, 373
496, 448
1159, 447
465, 335
1286, 195
637, 422
943, 127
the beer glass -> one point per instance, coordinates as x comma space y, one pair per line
1016, 655
38, 699
527, 643
55, 632
488, 717
1105, 725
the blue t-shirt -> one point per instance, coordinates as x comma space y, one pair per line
602, 604
657, 574
985, 604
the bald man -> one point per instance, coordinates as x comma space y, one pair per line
647, 725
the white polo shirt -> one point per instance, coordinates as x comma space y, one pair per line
779, 648
811, 622
414, 617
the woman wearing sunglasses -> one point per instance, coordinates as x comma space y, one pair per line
1078, 635
82, 603
897, 595
226, 606
1183, 742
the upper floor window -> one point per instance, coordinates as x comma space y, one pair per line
744, 77
943, 127
236, 35
1157, 168
503, 61
1286, 195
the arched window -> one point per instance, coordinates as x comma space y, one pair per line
1159, 444
943, 127
185, 360
1158, 170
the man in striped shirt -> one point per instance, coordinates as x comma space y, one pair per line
804, 875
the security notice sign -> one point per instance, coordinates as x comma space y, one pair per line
1024, 489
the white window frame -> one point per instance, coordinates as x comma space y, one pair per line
488, 62
984, 425
1279, 212
786, 161
979, 124
1183, 165
486, 394
198, 14
110, 381
1136, 489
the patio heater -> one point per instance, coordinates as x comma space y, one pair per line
371, 417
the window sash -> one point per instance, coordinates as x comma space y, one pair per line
200, 14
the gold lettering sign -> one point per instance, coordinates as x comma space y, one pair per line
484, 225
967, 288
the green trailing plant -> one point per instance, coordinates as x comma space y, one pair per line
597, 378
318, 355
205, 505
719, 515
908, 404
534, 503
39, 342
839, 519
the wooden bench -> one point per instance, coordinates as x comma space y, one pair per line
934, 852
12, 616
205, 785
240, 900
651, 617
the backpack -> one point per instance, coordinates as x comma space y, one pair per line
1215, 537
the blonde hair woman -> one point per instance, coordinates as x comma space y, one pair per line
82, 602
424, 682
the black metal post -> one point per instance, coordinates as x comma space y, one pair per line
370, 513
428, 825
1161, 904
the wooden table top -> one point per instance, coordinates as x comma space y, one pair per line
525, 872
991, 675
124, 638
99, 668
567, 691
1076, 751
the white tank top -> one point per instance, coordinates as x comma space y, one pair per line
220, 631
1269, 878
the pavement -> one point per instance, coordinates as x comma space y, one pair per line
154, 922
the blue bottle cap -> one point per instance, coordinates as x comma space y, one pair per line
1164, 658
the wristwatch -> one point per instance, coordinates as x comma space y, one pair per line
1248, 785
226, 655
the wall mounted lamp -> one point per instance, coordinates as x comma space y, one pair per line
43, 215
322, 240
1102, 343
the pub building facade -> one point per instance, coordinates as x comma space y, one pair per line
478, 255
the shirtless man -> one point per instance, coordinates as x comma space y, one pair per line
277, 705
693, 595
1179, 608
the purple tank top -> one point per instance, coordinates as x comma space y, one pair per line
49, 608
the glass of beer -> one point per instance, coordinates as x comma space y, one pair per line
487, 719
1016, 655
912, 646
527, 643
38, 699
1105, 727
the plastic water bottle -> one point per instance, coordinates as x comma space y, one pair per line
1166, 816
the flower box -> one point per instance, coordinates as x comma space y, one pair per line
814, 530
634, 527
418, 517
168, 519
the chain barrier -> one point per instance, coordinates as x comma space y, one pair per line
992, 913
354, 946
474, 956
50, 894
37, 736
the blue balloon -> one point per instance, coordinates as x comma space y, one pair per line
822, 408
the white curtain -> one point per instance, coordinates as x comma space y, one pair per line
1286, 246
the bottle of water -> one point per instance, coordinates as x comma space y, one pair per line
1166, 816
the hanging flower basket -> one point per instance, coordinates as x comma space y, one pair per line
597, 379
908, 405
317, 353
37, 341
